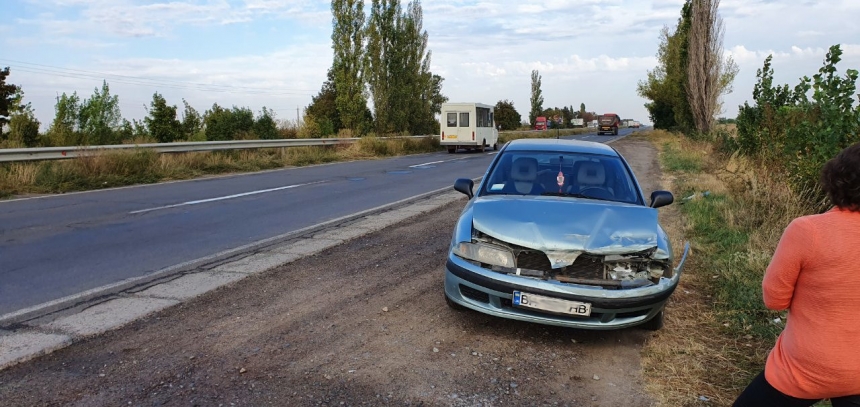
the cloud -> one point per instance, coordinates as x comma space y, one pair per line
592, 51
137, 18
742, 55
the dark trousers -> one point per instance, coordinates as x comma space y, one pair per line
760, 393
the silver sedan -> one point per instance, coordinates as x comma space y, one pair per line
558, 232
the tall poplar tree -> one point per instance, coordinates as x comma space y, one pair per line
380, 35
348, 44
536, 98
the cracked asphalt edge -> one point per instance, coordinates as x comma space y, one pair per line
127, 301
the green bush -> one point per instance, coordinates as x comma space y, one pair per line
787, 126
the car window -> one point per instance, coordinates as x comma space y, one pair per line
572, 175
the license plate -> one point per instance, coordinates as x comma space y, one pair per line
451, 136
549, 304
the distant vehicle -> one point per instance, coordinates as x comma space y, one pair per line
635, 124
468, 125
608, 123
576, 122
540, 123
592, 124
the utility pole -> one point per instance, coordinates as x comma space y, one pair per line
297, 115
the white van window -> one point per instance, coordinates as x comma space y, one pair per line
464, 119
483, 117
452, 119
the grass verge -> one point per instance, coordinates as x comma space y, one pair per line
718, 332
120, 168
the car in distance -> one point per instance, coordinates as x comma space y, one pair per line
558, 232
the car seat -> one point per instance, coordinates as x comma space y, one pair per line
523, 175
591, 180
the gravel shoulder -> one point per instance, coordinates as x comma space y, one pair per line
362, 323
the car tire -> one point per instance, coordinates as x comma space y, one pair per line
451, 150
495, 146
453, 305
653, 324
615, 133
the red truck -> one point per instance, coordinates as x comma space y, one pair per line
540, 123
608, 123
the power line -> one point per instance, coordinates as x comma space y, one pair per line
142, 81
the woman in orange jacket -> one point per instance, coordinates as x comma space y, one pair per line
814, 274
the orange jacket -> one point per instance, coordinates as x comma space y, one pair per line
815, 274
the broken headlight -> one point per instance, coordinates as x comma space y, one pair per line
484, 253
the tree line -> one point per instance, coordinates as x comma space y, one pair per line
383, 59
97, 120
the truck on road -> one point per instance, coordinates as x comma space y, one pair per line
608, 123
540, 123
468, 125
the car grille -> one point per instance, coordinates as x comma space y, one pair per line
585, 267
474, 294
533, 260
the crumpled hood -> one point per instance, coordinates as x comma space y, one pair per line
564, 228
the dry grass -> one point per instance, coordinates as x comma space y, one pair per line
717, 332
116, 168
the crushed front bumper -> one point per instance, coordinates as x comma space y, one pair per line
490, 292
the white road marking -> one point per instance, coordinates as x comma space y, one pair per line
430, 163
437, 162
221, 198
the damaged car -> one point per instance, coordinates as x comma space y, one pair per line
558, 232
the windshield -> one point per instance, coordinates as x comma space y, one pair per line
561, 174
607, 119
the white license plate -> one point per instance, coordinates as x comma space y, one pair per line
549, 304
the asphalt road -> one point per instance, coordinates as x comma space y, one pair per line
56, 246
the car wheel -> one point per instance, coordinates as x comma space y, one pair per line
653, 324
453, 305
495, 146
615, 133
451, 150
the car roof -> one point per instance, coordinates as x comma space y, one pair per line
561, 145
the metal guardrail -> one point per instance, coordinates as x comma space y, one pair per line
59, 153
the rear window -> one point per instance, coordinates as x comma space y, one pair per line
464, 119
452, 120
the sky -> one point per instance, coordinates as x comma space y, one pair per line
275, 53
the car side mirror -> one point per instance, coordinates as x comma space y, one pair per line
465, 186
661, 198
